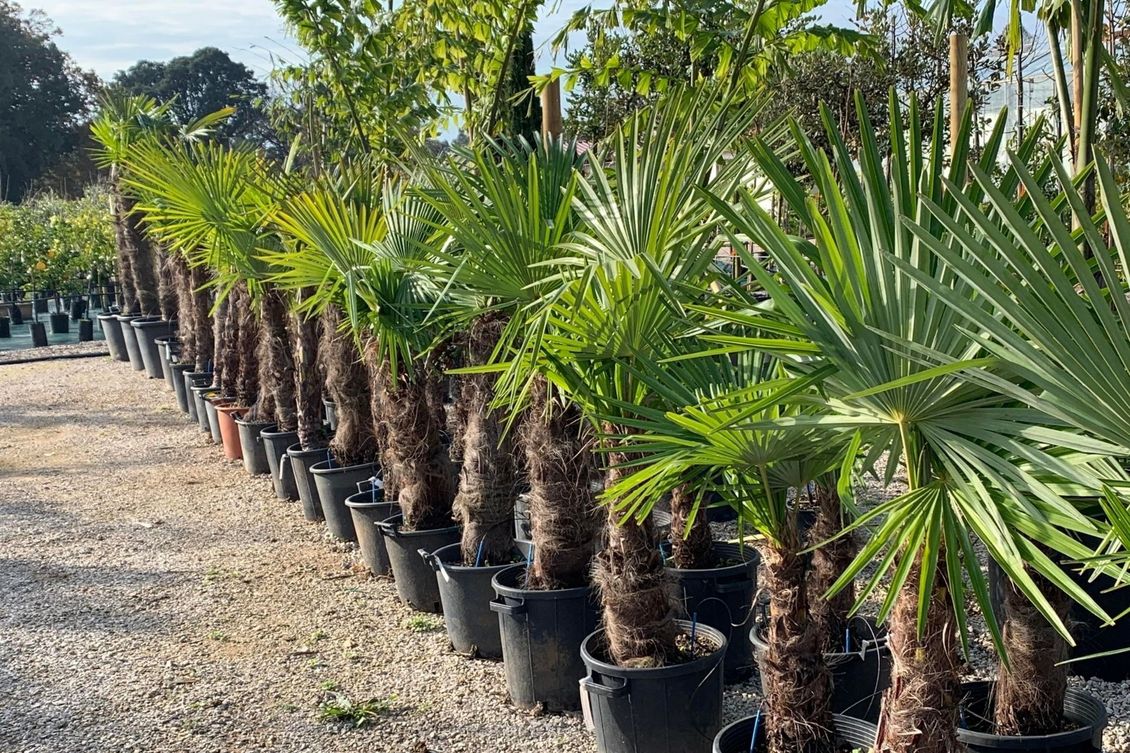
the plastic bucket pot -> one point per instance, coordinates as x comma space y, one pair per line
368, 510
672, 709
165, 355
146, 331
229, 432
282, 474
1086, 712
211, 403
251, 446
737, 737
200, 395
331, 414
300, 462
113, 333
130, 340
466, 593
541, 633
335, 484
415, 580
194, 379
180, 388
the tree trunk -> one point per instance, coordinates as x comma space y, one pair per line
795, 680
420, 462
186, 309
246, 348
169, 309
143, 261
638, 616
920, 708
201, 316
347, 383
829, 615
227, 347
221, 330
692, 547
308, 378
264, 409
380, 427
488, 479
127, 288
564, 516
280, 359
1030, 689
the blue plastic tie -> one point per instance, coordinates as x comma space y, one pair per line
329, 457
847, 640
479, 555
694, 628
530, 555
756, 726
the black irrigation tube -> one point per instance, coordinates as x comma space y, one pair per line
60, 357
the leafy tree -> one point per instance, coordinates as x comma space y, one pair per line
44, 97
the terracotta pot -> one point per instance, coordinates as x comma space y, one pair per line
229, 432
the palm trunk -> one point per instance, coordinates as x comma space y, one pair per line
920, 708
1030, 689
221, 331
127, 288
565, 519
347, 383
143, 262
280, 359
246, 348
380, 427
227, 347
308, 378
201, 317
794, 677
264, 409
488, 478
169, 286
829, 614
692, 547
639, 620
186, 309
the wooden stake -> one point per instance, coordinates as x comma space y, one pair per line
551, 110
959, 83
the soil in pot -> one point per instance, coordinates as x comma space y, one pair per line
541, 633
113, 333
853, 734
415, 580
229, 432
368, 508
1086, 718
251, 446
300, 461
282, 474
146, 331
676, 708
335, 484
465, 592
125, 323
723, 597
860, 673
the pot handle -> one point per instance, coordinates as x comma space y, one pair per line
732, 586
282, 464
608, 691
501, 607
431, 559
388, 529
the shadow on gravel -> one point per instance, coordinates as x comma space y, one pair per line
126, 415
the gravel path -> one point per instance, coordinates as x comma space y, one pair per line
153, 597
65, 350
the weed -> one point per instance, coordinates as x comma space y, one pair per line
219, 635
337, 707
422, 623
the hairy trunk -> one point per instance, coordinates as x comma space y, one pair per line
201, 317
638, 616
829, 615
377, 408
227, 347
920, 708
692, 547
795, 680
280, 359
1030, 688
127, 288
420, 462
347, 383
564, 516
186, 309
308, 378
247, 347
169, 286
143, 261
488, 478
221, 379
264, 409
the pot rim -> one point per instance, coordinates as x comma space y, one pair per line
1088, 730
714, 658
752, 563
526, 594
336, 469
399, 517
303, 454
241, 422
760, 642
452, 567
147, 322
368, 505
275, 434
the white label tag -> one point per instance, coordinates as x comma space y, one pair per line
586, 708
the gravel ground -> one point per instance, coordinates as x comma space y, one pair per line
68, 350
154, 597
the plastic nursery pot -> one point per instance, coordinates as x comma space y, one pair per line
165, 355
253, 451
369, 509
5, 327
60, 323
465, 592
300, 461
331, 414
723, 598
229, 432
113, 333
282, 474
85, 330
200, 395
738, 737
860, 673
415, 580
146, 331
38, 334
180, 388
125, 322
541, 633
1085, 712
523, 525
336, 483
672, 709
194, 379
211, 403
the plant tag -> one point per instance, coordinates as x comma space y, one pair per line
586, 708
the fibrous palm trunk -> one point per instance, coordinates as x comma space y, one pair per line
143, 261
127, 288
168, 292
564, 517
1031, 687
308, 378
280, 359
227, 346
380, 427
201, 316
794, 676
829, 614
692, 547
347, 383
488, 477
920, 707
247, 349
186, 309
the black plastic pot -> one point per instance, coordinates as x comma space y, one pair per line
860, 674
179, 387
466, 593
212, 402
368, 510
737, 737
60, 323
282, 475
200, 395
85, 330
975, 716
146, 331
415, 581
78, 309
113, 333
38, 334
194, 379
165, 355
671, 709
335, 484
5, 327
15, 314
723, 598
254, 453
133, 353
542, 632
300, 461
331, 414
